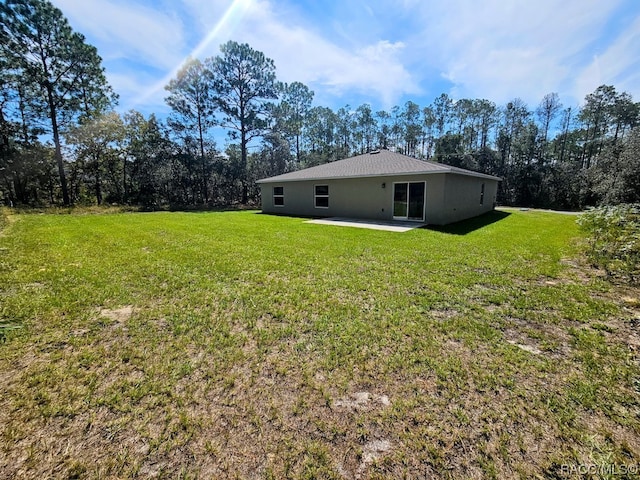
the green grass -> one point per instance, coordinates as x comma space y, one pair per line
236, 345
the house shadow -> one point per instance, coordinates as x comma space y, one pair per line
472, 224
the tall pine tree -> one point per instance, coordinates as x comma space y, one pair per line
244, 80
65, 72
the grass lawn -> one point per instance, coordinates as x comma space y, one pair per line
240, 345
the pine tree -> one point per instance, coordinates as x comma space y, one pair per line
64, 72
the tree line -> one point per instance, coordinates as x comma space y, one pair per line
61, 141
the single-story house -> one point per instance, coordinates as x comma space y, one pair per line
381, 185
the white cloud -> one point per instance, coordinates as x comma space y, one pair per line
128, 30
501, 50
390, 51
138, 92
137, 43
618, 65
303, 54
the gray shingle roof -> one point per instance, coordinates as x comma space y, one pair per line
373, 164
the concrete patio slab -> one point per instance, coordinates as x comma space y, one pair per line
398, 226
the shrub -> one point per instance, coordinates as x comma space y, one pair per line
614, 239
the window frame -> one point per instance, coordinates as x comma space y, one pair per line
316, 196
278, 196
407, 201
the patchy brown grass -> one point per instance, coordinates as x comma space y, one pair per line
186, 350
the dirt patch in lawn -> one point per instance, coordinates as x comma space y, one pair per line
362, 401
120, 315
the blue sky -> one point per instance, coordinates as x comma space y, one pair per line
381, 52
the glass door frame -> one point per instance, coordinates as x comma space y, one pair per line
408, 201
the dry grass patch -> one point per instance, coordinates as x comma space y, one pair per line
235, 345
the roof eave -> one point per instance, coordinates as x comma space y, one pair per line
345, 177
404, 174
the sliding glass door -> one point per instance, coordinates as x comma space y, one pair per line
408, 201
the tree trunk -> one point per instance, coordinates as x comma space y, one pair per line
583, 157
58, 152
98, 186
243, 153
205, 193
243, 150
124, 179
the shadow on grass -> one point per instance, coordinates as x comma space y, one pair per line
209, 208
470, 225
114, 208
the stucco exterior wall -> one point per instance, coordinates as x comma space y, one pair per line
462, 197
447, 199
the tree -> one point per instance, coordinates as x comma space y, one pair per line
464, 114
64, 71
98, 144
428, 122
461, 113
231, 172
412, 127
366, 127
191, 100
596, 117
148, 157
515, 116
442, 110
615, 176
449, 150
345, 126
292, 112
273, 159
25, 164
564, 134
487, 113
629, 166
384, 130
625, 114
243, 81
546, 112
396, 129
321, 136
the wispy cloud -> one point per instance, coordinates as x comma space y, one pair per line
304, 54
138, 45
381, 51
157, 41
500, 50
127, 30
619, 64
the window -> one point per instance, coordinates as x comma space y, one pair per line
322, 196
482, 194
278, 196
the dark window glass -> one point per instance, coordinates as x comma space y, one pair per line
322, 189
400, 200
278, 196
322, 196
322, 202
416, 201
